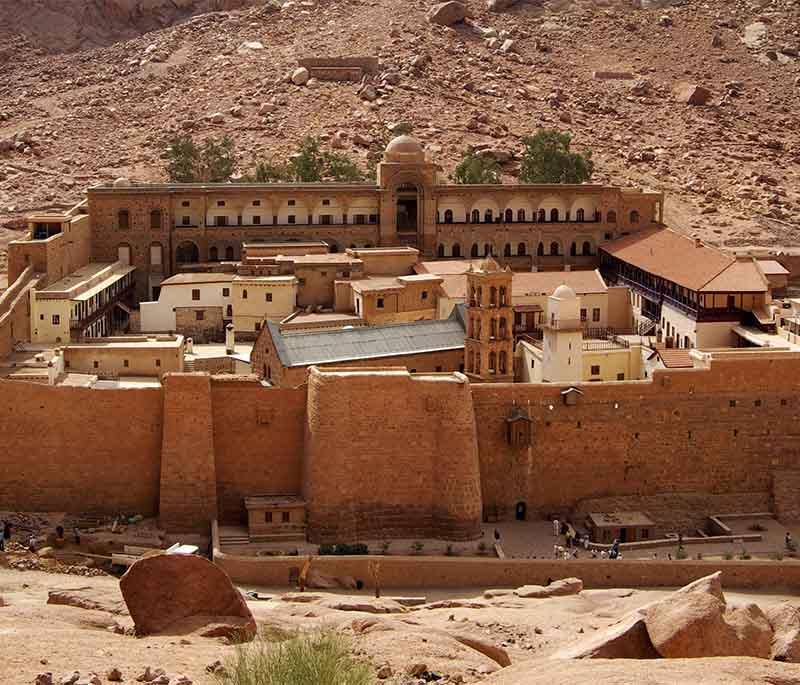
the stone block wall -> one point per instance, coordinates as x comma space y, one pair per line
390, 455
786, 494
206, 330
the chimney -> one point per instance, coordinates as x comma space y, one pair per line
230, 342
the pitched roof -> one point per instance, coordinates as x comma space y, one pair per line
371, 342
772, 267
740, 277
670, 255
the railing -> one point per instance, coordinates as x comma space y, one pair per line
565, 325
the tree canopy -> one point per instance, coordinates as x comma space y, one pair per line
186, 162
474, 168
547, 159
309, 164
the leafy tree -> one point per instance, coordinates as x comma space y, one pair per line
309, 165
547, 159
186, 162
474, 168
182, 159
271, 172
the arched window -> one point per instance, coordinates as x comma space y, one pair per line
540, 216
502, 296
472, 296
155, 219
492, 362
634, 217
123, 219
580, 215
573, 249
448, 216
507, 250
540, 250
493, 328
611, 217
229, 311
229, 253
487, 249
554, 249
474, 251
488, 216
521, 249
478, 327
502, 329
520, 215
456, 250
480, 301
440, 251
213, 254
587, 248
476, 216
493, 297
509, 216
187, 253
554, 215
478, 362
502, 361
597, 215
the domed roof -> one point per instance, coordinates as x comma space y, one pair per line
122, 183
564, 292
404, 149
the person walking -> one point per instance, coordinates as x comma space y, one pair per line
556, 528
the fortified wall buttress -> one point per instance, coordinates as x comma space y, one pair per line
390, 454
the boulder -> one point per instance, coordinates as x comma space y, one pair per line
319, 581
500, 5
183, 593
626, 639
447, 13
695, 622
785, 621
96, 599
558, 588
300, 76
493, 651
364, 604
693, 95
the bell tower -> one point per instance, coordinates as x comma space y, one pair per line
489, 345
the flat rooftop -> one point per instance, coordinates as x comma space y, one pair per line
86, 281
129, 342
532, 284
617, 519
197, 279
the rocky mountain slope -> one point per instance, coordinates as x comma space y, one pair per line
730, 167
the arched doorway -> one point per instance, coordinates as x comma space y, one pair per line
187, 253
407, 208
521, 511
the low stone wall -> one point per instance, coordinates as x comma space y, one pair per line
446, 572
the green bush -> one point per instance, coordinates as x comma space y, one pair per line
547, 159
476, 169
681, 553
343, 549
728, 555
318, 659
325, 550
187, 162
744, 554
385, 547
417, 546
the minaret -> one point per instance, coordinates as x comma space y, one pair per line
562, 356
489, 345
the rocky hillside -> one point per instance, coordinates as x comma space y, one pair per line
617, 75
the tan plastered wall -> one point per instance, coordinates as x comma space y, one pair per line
111, 361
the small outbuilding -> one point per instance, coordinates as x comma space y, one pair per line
625, 526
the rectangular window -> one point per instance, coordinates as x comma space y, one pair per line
732, 403
620, 376
196, 294
267, 517
595, 370
269, 297
199, 316
325, 219
380, 303
583, 315
226, 292
244, 294
221, 221
125, 363
326, 203
56, 319
310, 219
185, 203
373, 218
158, 362
256, 203
596, 314
344, 218
285, 516
124, 219
290, 219
96, 365
256, 220
258, 326
291, 203
424, 294
274, 219
186, 220
155, 219
360, 219
220, 203
345, 274
239, 220
301, 281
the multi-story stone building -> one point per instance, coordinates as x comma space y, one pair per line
159, 228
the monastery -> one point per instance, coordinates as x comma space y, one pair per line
336, 362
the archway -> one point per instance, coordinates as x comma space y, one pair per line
407, 208
187, 253
521, 511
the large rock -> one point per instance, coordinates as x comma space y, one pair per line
493, 651
95, 599
695, 622
447, 13
178, 594
500, 5
558, 588
368, 605
319, 581
693, 95
300, 76
726, 671
626, 639
785, 621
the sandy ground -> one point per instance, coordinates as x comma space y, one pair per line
36, 637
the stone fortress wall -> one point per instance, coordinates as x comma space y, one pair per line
421, 454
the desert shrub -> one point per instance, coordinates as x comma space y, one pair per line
757, 527
482, 547
778, 556
728, 555
417, 546
744, 554
318, 659
681, 553
325, 549
385, 547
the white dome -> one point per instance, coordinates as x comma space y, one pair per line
122, 183
404, 149
564, 292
